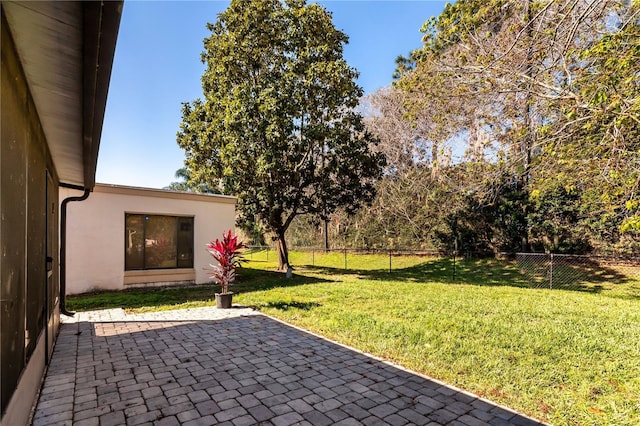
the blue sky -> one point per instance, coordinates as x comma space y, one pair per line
157, 67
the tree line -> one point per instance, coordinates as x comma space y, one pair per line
515, 127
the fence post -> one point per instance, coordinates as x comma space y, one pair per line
455, 251
454, 266
313, 257
389, 260
551, 273
345, 258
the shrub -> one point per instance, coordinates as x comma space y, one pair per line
227, 254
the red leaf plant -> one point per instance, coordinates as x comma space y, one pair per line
227, 253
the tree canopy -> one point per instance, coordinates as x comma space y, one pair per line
186, 184
514, 127
276, 125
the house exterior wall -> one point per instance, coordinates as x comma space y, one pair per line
96, 235
29, 299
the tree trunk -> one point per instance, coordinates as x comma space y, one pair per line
283, 253
326, 235
529, 124
527, 140
435, 167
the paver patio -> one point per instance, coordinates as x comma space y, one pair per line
207, 366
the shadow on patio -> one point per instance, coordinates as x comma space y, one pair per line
239, 371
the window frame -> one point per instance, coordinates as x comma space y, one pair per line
179, 220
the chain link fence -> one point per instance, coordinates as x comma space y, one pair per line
342, 258
568, 271
532, 270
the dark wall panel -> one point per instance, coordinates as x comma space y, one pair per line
13, 161
24, 161
36, 233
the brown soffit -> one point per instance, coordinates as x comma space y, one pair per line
66, 50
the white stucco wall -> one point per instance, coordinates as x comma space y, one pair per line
96, 230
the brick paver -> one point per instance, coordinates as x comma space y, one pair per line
207, 366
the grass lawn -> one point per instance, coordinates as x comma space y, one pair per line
566, 357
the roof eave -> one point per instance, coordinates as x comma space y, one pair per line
66, 51
101, 24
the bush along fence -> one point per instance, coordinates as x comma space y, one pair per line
534, 270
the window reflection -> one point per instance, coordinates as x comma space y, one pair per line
134, 241
158, 242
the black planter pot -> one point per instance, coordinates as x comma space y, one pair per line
224, 300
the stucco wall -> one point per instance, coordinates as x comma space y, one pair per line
96, 230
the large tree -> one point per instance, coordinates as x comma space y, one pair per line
277, 125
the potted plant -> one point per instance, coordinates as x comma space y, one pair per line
227, 254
